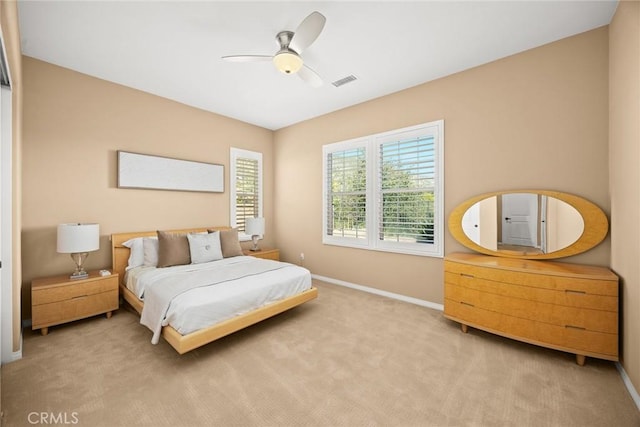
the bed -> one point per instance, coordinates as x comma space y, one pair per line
184, 342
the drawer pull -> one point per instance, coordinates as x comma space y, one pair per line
572, 291
467, 275
575, 327
466, 303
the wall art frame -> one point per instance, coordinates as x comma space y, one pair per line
145, 171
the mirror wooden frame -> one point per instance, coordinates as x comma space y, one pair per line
596, 225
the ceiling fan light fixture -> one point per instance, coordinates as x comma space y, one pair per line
287, 62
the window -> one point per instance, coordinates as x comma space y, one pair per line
346, 212
246, 188
385, 191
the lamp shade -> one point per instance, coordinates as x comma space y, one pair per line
287, 62
254, 226
77, 238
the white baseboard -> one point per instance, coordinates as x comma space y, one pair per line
387, 294
627, 382
16, 355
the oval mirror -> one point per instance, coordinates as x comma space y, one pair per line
528, 224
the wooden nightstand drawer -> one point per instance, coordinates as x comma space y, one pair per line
73, 290
56, 300
73, 309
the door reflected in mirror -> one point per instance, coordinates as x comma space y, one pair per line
522, 224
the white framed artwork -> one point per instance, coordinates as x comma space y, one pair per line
164, 173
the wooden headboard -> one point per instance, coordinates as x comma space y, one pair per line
120, 254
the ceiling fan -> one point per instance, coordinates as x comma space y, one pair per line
291, 43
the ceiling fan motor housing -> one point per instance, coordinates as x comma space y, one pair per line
286, 60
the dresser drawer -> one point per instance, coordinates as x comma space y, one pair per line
593, 320
75, 308
73, 290
551, 296
570, 339
536, 279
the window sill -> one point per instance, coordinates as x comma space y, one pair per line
433, 254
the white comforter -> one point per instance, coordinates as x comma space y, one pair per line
213, 293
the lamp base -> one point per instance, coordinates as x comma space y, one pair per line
254, 239
79, 259
79, 275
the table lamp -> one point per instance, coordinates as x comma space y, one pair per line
255, 228
78, 240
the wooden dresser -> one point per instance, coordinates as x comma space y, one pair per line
567, 307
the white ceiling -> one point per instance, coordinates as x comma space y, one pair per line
173, 48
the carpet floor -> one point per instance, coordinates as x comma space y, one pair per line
348, 358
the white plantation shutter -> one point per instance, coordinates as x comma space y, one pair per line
406, 175
346, 209
246, 187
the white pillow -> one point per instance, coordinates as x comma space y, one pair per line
150, 246
204, 247
136, 255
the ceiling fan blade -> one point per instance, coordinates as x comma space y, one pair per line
307, 32
310, 76
247, 58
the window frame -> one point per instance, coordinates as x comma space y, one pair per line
374, 192
235, 155
338, 147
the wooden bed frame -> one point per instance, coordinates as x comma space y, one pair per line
185, 343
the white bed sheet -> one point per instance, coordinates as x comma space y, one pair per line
206, 306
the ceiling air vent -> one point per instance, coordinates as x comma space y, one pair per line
344, 80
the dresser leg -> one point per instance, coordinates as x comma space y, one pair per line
464, 328
581, 359
44, 331
108, 315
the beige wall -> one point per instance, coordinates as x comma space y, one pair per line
624, 140
533, 120
73, 125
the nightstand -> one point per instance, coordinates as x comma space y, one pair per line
266, 253
56, 300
